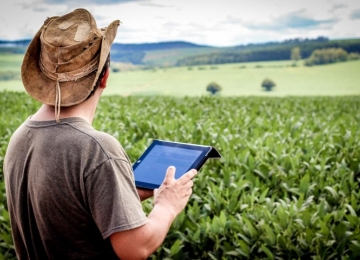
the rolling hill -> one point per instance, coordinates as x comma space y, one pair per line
181, 53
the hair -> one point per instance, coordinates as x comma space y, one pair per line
103, 71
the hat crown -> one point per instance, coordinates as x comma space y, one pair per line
70, 42
70, 29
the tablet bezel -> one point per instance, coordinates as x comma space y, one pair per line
197, 164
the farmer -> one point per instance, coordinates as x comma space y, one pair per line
70, 189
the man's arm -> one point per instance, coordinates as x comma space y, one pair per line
169, 200
144, 193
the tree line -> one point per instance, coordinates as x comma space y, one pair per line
269, 52
325, 56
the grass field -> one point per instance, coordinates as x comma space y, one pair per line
10, 62
242, 79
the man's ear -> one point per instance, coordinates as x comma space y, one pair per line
104, 79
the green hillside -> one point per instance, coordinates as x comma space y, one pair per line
179, 53
170, 57
269, 51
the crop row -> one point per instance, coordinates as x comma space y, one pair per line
287, 186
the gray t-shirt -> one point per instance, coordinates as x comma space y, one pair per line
69, 187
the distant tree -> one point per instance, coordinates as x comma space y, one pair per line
115, 69
268, 84
213, 88
353, 56
325, 56
295, 55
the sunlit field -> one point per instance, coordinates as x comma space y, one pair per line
10, 62
241, 79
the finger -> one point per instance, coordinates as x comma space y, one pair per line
170, 174
188, 185
187, 176
188, 193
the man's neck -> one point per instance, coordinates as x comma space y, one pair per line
85, 110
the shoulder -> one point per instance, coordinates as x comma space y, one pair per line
105, 142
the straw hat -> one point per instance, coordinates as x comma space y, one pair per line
64, 59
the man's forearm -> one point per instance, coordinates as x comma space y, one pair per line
140, 243
169, 200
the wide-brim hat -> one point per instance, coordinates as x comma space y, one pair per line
64, 59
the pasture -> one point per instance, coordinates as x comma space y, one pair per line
240, 79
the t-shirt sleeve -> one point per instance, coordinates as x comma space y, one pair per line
113, 199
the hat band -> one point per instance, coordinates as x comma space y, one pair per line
70, 75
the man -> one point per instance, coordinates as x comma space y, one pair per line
70, 189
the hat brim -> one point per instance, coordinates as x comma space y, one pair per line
43, 89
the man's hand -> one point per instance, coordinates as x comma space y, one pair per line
173, 194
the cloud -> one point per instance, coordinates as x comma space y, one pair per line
220, 23
40, 9
95, 2
69, 5
337, 6
36, 6
152, 4
293, 20
355, 15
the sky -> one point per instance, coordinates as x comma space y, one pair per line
207, 22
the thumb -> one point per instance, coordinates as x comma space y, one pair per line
170, 174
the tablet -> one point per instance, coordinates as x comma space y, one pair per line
150, 168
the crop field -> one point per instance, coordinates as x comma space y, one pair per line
287, 186
240, 79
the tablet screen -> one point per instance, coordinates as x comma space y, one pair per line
152, 165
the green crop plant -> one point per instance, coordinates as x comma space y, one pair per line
287, 186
